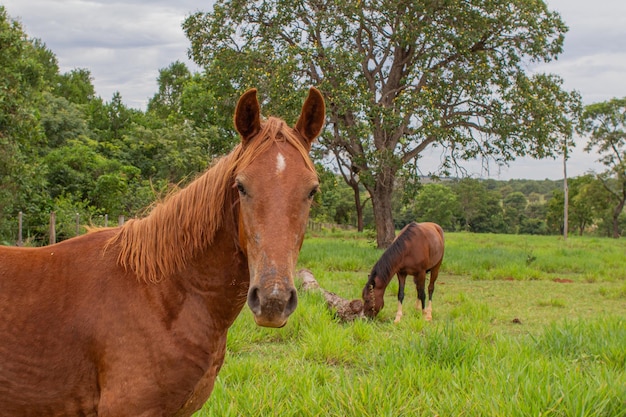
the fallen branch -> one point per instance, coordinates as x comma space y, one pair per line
346, 310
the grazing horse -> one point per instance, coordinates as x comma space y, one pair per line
418, 249
132, 321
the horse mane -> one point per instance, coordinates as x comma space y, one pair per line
384, 267
186, 222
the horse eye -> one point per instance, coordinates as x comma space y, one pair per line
241, 189
314, 191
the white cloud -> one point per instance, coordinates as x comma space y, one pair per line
125, 43
594, 56
598, 77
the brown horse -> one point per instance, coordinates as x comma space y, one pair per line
418, 249
132, 321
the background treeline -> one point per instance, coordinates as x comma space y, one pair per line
64, 149
486, 206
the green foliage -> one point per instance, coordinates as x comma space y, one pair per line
434, 203
70, 217
167, 102
606, 122
335, 203
75, 86
480, 209
387, 79
73, 169
61, 121
24, 70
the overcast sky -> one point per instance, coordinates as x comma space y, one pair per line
124, 44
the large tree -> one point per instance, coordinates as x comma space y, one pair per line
401, 76
605, 122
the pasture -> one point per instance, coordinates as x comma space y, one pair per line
522, 326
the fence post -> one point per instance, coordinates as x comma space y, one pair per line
106, 220
20, 242
120, 220
53, 236
77, 224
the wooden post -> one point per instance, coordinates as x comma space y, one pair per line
565, 193
77, 224
53, 236
120, 220
20, 242
106, 220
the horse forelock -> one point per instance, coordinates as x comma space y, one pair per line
186, 222
273, 130
384, 268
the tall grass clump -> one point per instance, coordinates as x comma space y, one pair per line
583, 341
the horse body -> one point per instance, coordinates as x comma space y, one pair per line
133, 321
417, 250
89, 337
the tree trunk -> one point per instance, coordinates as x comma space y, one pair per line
383, 216
357, 202
359, 212
618, 210
346, 310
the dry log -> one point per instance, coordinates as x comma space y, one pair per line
346, 310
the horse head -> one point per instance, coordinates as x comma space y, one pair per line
373, 296
275, 189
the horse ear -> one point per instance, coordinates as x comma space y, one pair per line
248, 116
312, 116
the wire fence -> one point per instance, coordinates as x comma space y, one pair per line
79, 227
52, 227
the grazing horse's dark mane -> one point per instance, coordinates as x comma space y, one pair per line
383, 269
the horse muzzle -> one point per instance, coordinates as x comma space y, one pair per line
272, 304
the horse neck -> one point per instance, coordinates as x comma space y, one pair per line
388, 265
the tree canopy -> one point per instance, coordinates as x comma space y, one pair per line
400, 77
606, 123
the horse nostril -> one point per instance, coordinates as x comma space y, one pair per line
254, 301
292, 303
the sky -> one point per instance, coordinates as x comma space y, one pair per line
124, 44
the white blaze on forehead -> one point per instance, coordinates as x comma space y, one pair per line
280, 163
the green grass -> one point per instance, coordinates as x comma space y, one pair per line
487, 256
505, 340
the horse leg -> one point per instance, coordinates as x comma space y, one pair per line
434, 273
401, 282
420, 282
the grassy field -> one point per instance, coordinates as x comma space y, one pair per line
522, 326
